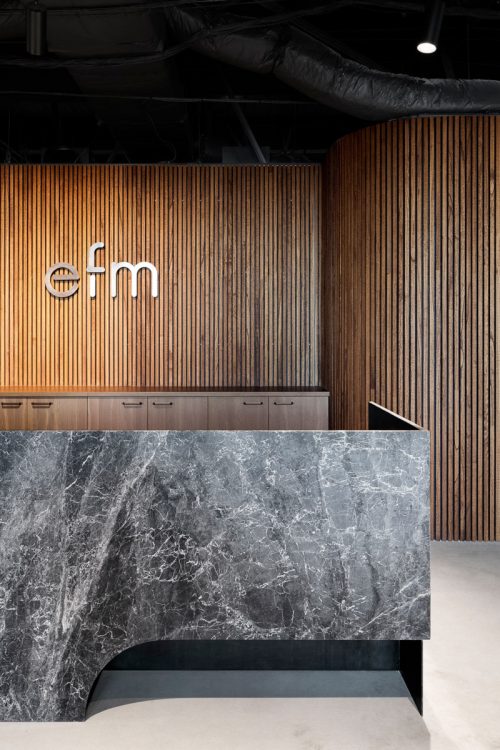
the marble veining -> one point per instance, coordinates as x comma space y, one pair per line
110, 539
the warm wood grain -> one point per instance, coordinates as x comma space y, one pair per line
178, 413
298, 413
123, 413
50, 413
246, 412
237, 250
411, 299
13, 413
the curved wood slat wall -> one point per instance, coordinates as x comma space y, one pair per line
237, 250
412, 299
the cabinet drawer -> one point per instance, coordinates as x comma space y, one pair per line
238, 413
177, 413
13, 413
48, 413
123, 413
298, 413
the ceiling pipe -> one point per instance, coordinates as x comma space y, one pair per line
325, 76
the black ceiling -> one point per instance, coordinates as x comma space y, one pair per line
71, 105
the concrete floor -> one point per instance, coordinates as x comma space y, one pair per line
462, 691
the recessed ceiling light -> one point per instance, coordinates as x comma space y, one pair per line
426, 48
435, 13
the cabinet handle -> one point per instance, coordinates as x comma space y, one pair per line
11, 404
289, 403
41, 404
253, 403
131, 403
166, 403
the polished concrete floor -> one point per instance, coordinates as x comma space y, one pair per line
333, 712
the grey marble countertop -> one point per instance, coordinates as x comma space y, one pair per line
109, 539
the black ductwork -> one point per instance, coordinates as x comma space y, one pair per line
322, 74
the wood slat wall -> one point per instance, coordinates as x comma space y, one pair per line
411, 297
237, 250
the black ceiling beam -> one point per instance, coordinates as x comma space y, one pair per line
158, 99
99, 10
472, 11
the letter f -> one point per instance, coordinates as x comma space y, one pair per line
91, 268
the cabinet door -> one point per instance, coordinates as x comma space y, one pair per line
298, 413
118, 413
48, 413
248, 412
13, 414
177, 413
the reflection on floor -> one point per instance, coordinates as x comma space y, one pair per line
311, 710
117, 688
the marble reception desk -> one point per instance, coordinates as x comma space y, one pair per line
111, 539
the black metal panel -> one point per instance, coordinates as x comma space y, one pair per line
380, 418
410, 666
277, 655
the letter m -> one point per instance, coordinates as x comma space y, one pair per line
134, 270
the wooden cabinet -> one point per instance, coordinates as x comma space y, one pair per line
246, 412
298, 413
48, 413
44, 413
13, 413
178, 413
118, 413
164, 411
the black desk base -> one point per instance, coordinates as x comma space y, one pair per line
402, 656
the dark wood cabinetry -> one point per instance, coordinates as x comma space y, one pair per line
298, 413
118, 413
56, 413
249, 410
246, 412
13, 413
178, 413
43, 413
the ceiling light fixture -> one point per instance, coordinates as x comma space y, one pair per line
36, 29
435, 13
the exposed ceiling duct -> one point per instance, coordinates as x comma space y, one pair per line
322, 74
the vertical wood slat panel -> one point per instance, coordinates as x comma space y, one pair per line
424, 275
237, 249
